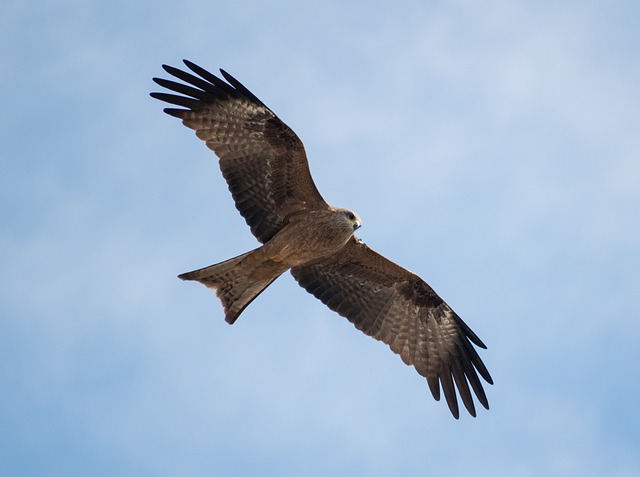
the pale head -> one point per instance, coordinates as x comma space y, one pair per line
351, 218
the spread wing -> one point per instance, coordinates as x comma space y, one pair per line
395, 306
261, 158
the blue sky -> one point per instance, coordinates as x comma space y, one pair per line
491, 147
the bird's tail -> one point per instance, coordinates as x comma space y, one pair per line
237, 281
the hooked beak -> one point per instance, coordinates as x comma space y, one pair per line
356, 225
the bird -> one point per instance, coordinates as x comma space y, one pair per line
267, 172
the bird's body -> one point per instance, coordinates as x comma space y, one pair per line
312, 236
306, 239
266, 169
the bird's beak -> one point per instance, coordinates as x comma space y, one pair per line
356, 225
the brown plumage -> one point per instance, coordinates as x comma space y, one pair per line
265, 166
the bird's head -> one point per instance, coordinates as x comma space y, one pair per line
352, 218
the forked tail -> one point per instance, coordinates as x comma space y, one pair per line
237, 281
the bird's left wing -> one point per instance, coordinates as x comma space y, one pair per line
393, 305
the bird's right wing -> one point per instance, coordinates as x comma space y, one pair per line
261, 158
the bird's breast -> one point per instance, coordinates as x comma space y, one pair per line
306, 241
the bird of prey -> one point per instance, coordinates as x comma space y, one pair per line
266, 169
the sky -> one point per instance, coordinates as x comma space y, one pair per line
491, 147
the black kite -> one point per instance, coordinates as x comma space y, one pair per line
265, 166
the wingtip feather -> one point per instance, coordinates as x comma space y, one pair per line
434, 387
176, 113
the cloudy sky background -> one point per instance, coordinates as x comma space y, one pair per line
492, 147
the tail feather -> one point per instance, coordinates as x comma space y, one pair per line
233, 282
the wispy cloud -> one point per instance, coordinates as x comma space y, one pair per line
490, 147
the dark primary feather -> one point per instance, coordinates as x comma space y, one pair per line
395, 306
261, 158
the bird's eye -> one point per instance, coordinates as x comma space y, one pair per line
351, 216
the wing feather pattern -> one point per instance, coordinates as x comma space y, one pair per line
397, 307
261, 158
